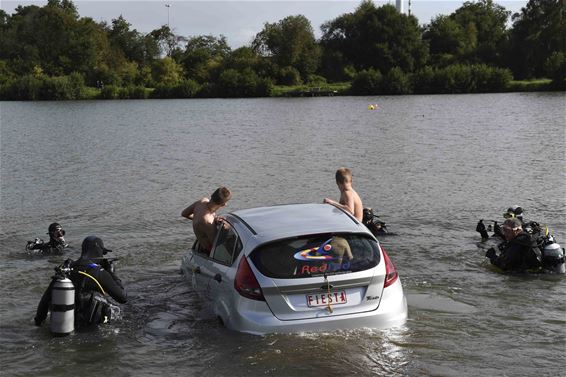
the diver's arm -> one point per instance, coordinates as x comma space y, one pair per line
510, 259
43, 306
113, 286
42, 247
35, 246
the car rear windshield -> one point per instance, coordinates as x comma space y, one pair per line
316, 255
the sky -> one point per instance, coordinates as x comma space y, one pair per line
239, 21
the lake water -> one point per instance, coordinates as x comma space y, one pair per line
431, 165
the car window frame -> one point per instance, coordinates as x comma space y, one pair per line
237, 249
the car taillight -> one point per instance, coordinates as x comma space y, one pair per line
246, 284
391, 274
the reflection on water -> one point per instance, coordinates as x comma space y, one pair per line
436, 303
431, 166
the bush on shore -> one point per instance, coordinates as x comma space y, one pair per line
42, 87
240, 84
457, 78
453, 79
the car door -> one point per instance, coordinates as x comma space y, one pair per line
196, 262
228, 246
213, 274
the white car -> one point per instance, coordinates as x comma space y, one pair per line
294, 268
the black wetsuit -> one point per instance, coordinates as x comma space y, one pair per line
91, 305
519, 254
53, 247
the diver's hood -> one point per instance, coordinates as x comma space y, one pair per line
53, 227
56, 233
93, 248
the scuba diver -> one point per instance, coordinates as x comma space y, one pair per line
56, 244
519, 252
93, 281
374, 224
526, 245
511, 213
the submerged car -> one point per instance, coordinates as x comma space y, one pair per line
294, 268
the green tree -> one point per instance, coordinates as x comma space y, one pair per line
53, 38
484, 23
334, 66
289, 76
246, 83
166, 71
539, 31
203, 56
4, 17
447, 40
247, 57
396, 82
555, 67
367, 82
129, 42
378, 38
166, 40
65, 5
289, 43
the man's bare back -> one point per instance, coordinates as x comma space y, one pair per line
351, 200
203, 214
203, 222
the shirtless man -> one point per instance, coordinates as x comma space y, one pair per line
203, 214
349, 198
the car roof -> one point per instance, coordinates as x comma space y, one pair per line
283, 221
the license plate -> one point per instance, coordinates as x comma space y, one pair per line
324, 299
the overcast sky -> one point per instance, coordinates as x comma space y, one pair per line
239, 21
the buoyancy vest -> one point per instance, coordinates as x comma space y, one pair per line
92, 307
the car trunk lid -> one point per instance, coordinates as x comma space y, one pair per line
321, 296
320, 275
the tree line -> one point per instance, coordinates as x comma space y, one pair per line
51, 52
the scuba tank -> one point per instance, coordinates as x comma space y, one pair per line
62, 304
553, 258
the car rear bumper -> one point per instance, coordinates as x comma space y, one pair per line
255, 317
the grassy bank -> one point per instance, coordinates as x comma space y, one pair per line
313, 90
340, 88
343, 88
539, 85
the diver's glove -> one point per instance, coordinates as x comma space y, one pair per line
481, 229
107, 264
490, 253
33, 245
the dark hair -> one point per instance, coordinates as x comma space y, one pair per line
343, 175
221, 195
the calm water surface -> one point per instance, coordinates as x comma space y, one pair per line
431, 165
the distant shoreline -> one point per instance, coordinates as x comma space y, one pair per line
282, 91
